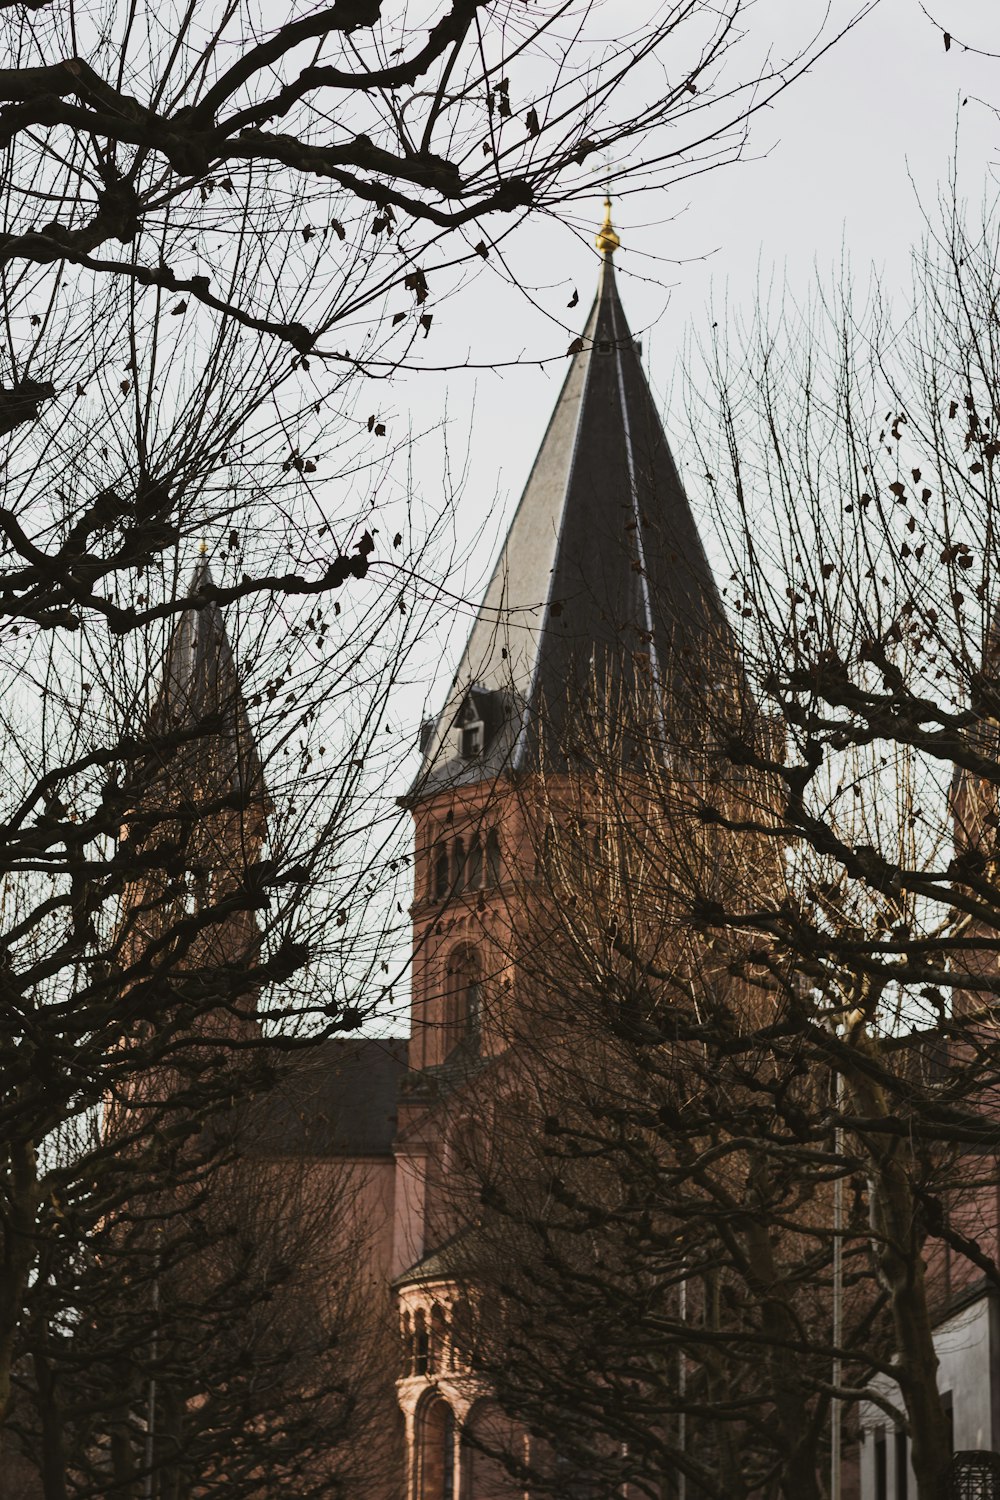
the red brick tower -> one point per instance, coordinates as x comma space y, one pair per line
188, 931
602, 591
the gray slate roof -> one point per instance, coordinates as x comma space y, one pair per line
200, 684
602, 578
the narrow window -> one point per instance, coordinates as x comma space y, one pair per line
471, 738
436, 1479
421, 1344
472, 741
902, 1467
463, 997
441, 874
473, 1004
474, 865
407, 1339
492, 857
458, 864
437, 1359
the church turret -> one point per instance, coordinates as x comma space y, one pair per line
200, 703
198, 822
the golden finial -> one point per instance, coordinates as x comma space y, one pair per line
607, 240
202, 549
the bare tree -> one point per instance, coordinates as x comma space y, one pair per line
223, 1333
214, 228
654, 1187
176, 957
773, 913
869, 601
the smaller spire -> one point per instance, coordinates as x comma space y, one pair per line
200, 681
607, 240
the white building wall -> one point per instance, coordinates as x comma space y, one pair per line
968, 1350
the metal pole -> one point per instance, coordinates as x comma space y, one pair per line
838, 1311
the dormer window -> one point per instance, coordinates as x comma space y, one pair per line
476, 723
472, 735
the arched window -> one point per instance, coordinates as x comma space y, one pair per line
421, 1344
467, 1155
439, 1340
458, 864
406, 1332
474, 865
492, 858
437, 1452
485, 1436
441, 881
463, 996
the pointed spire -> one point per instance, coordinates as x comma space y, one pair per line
200, 684
602, 576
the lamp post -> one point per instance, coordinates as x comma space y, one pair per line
838, 1310
682, 1392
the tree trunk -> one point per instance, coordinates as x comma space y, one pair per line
898, 1251
17, 1240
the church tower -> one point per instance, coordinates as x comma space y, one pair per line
602, 596
602, 591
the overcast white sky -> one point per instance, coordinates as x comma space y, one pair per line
849, 159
